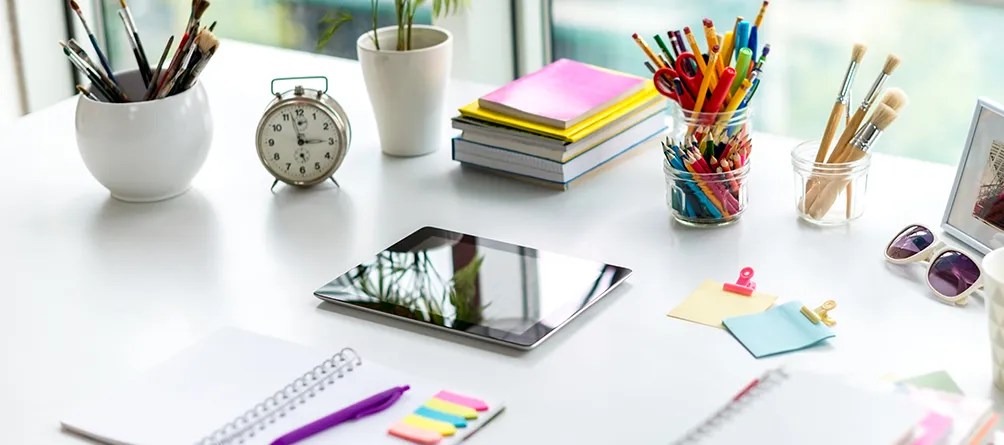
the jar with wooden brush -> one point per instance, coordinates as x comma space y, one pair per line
831, 179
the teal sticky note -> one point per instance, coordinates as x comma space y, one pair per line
777, 330
430, 413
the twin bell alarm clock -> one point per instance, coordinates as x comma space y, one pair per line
303, 136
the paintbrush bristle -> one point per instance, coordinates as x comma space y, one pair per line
201, 9
891, 63
883, 117
75, 6
207, 42
123, 3
858, 52
895, 98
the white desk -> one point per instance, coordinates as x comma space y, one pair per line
103, 289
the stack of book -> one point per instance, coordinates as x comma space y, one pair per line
555, 125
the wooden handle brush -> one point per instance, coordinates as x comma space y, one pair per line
843, 144
862, 141
840, 106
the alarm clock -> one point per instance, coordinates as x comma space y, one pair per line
303, 136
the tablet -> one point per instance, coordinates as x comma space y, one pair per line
473, 286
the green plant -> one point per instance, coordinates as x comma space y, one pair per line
404, 13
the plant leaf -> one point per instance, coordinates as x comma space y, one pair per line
331, 22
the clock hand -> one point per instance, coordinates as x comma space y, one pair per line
313, 141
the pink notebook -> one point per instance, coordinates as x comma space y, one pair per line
562, 94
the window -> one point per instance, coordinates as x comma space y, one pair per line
948, 52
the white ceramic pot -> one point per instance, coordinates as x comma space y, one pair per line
145, 151
993, 282
408, 88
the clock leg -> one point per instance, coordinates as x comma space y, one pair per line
273, 186
336, 182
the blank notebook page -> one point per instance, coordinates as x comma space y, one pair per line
813, 409
210, 384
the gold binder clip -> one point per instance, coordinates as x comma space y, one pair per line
821, 314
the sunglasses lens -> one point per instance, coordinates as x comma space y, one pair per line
910, 242
953, 273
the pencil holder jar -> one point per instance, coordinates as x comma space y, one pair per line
145, 151
705, 199
828, 194
719, 126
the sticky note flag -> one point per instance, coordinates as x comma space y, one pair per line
415, 434
469, 402
933, 430
780, 329
709, 305
429, 413
446, 429
451, 408
938, 380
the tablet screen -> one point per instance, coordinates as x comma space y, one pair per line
481, 287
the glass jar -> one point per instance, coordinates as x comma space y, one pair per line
829, 194
706, 199
685, 124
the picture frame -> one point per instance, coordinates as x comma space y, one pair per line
975, 210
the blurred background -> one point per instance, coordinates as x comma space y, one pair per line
501, 39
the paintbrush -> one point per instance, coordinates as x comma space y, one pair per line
137, 44
105, 80
88, 72
840, 150
199, 8
206, 44
839, 107
94, 40
87, 93
862, 141
152, 89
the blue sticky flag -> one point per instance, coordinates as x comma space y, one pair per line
430, 413
777, 330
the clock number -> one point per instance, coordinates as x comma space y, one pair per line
315, 116
275, 156
331, 141
271, 142
299, 112
303, 170
326, 126
288, 165
317, 166
277, 127
285, 117
327, 155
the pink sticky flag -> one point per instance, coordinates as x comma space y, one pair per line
415, 434
469, 402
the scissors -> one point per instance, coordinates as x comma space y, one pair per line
686, 70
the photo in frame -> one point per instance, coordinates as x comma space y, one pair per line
975, 211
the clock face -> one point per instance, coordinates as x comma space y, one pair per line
300, 143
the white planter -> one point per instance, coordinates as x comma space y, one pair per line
145, 151
408, 88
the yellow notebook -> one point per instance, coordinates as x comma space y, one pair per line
577, 131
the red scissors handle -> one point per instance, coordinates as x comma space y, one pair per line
686, 64
663, 80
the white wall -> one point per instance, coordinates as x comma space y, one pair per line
47, 77
483, 42
10, 106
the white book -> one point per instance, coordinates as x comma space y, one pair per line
514, 162
808, 408
218, 381
486, 133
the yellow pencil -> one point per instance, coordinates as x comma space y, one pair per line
737, 99
706, 83
648, 51
688, 162
759, 17
696, 49
709, 33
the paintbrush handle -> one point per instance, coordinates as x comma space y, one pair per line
101, 58
843, 144
831, 130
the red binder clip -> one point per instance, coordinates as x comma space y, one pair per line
744, 285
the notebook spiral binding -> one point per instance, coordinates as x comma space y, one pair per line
256, 419
767, 381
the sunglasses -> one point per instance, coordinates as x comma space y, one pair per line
951, 274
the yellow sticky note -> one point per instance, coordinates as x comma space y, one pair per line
427, 424
451, 408
709, 305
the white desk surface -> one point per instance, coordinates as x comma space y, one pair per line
98, 290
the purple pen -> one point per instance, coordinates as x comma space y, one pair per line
369, 406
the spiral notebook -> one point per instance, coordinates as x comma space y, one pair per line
782, 408
208, 394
